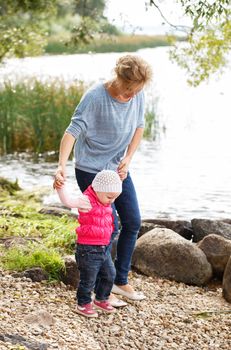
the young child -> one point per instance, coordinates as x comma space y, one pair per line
93, 238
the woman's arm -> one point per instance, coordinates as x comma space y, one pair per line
66, 146
124, 164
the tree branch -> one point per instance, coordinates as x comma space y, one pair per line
182, 28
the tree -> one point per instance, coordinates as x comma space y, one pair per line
24, 23
208, 40
21, 30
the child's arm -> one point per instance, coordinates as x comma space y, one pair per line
81, 202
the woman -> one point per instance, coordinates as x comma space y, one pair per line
107, 126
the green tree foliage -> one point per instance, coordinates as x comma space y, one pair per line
21, 31
208, 40
93, 22
25, 24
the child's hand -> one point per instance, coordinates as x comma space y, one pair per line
59, 178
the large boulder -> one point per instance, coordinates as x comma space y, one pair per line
165, 253
204, 227
217, 250
183, 227
226, 283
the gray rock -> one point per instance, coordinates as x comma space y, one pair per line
217, 250
18, 339
41, 318
204, 227
182, 227
36, 274
57, 211
70, 276
165, 253
226, 283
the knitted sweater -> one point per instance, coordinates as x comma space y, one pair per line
96, 226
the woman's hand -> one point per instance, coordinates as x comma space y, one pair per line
123, 168
59, 178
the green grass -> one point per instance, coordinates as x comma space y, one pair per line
20, 259
36, 240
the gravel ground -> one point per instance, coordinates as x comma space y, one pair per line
174, 316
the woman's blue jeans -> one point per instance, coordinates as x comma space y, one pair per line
126, 205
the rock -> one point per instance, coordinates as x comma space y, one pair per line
182, 227
18, 339
36, 274
226, 283
217, 250
165, 253
57, 211
70, 276
204, 227
11, 242
41, 318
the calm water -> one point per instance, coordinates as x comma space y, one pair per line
186, 171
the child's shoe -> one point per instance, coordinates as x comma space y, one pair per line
104, 306
86, 310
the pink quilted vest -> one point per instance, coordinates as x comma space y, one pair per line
96, 226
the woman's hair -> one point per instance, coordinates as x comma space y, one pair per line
133, 69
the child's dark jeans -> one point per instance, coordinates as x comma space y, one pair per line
92, 259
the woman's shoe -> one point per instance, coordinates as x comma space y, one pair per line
130, 295
114, 301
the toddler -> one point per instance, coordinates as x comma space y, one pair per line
93, 241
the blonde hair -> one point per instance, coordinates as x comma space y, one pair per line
133, 70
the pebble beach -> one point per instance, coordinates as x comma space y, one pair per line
173, 316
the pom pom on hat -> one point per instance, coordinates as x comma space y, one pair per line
107, 181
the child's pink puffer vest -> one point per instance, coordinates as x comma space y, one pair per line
96, 226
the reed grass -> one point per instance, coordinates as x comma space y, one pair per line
151, 123
121, 43
34, 115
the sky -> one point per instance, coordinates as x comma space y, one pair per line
133, 14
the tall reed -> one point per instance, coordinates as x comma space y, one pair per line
121, 43
34, 116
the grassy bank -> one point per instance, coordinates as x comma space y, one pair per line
34, 116
121, 43
28, 238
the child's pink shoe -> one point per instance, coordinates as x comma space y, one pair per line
86, 310
104, 306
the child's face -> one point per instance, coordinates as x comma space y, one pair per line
107, 197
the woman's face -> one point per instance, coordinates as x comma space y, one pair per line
128, 91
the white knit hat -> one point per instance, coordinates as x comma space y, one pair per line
107, 181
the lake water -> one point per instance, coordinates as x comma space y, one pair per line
186, 171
